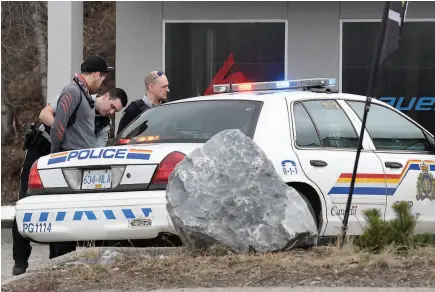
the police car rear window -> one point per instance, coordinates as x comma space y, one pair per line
192, 122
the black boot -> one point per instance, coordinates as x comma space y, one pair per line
19, 268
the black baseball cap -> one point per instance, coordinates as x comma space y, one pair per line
95, 64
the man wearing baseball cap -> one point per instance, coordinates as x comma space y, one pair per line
78, 132
74, 122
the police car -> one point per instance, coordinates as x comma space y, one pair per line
308, 131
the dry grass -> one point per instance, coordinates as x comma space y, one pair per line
325, 266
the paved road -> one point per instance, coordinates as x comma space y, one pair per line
39, 254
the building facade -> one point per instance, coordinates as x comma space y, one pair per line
200, 43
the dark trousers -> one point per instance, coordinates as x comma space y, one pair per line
61, 248
21, 248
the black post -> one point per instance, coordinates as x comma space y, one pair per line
373, 75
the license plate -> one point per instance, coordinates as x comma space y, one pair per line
97, 179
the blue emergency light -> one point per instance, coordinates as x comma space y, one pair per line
275, 85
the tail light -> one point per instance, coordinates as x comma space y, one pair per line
166, 167
35, 182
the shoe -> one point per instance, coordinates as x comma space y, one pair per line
19, 269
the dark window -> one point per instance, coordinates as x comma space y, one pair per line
333, 126
240, 52
405, 80
306, 135
192, 122
389, 130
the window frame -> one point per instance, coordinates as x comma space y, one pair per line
233, 21
293, 126
422, 129
363, 20
285, 21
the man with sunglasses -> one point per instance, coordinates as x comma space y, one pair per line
157, 88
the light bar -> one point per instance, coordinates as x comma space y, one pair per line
274, 85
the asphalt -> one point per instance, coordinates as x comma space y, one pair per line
38, 256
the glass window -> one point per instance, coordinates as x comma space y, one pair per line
198, 55
389, 130
333, 126
306, 135
191, 122
405, 81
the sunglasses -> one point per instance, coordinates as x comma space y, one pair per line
160, 73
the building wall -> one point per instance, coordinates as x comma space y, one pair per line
313, 32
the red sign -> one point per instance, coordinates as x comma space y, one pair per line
219, 78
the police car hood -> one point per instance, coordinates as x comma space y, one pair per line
116, 155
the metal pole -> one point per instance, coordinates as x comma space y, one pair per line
373, 75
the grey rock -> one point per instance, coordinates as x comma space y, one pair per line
109, 257
228, 192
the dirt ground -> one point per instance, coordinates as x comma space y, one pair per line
321, 266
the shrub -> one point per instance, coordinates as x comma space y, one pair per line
399, 232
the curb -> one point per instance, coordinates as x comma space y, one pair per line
7, 214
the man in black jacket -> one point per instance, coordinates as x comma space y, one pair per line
157, 88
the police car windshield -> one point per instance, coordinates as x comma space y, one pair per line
191, 122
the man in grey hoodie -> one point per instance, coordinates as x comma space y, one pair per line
73, 126
74, 122
41, 146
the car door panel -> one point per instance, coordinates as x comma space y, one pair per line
404, 151
413, 183
329, 160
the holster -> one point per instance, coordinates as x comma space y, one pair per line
42, 145
30, 137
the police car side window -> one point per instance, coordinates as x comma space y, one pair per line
306, 134
389, 130
332, 124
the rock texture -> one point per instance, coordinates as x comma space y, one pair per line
228, 192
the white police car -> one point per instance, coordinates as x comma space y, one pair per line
311, 135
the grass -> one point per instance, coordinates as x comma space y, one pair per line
326, 266
387, 254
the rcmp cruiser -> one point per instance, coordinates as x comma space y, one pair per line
312, 145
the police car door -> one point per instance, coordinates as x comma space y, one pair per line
325, 141
405, 154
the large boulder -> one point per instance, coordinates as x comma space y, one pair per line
228, 192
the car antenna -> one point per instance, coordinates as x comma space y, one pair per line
231, 87
197, 90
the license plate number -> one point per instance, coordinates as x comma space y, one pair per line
97, 179
36, 228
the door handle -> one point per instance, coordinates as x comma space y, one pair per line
318, 163
390, 164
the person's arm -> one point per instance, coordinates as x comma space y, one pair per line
68, 101
46, 116
103, 137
